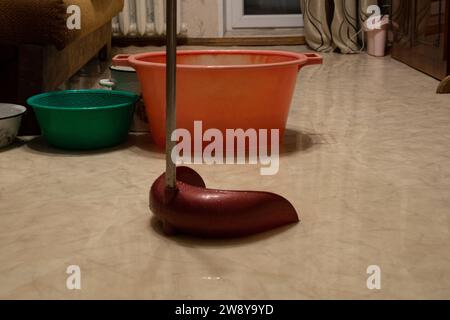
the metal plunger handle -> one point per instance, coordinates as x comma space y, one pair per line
171, 82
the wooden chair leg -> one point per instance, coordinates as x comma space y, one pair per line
105, 52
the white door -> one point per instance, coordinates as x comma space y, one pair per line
263, 14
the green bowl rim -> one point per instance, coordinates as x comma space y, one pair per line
133, 99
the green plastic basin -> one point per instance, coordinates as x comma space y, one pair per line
84, 119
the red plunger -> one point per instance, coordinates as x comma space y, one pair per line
179, 198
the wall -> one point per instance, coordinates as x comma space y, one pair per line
203, 18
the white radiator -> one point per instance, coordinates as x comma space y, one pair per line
144, 18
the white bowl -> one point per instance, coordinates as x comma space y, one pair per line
10, 119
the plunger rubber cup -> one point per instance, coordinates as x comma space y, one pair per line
194, 210
179, 198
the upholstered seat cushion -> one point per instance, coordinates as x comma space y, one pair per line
44, 22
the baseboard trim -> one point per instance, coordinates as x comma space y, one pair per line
226, 41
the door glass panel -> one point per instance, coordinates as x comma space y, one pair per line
430, 21
401, 21
269, 7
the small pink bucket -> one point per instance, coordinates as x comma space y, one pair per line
376, 39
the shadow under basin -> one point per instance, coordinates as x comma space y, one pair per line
17, 143
294, 141
40, 145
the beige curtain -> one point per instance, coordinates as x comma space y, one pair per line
334, 24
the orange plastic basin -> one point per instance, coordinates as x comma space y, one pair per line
225, 89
